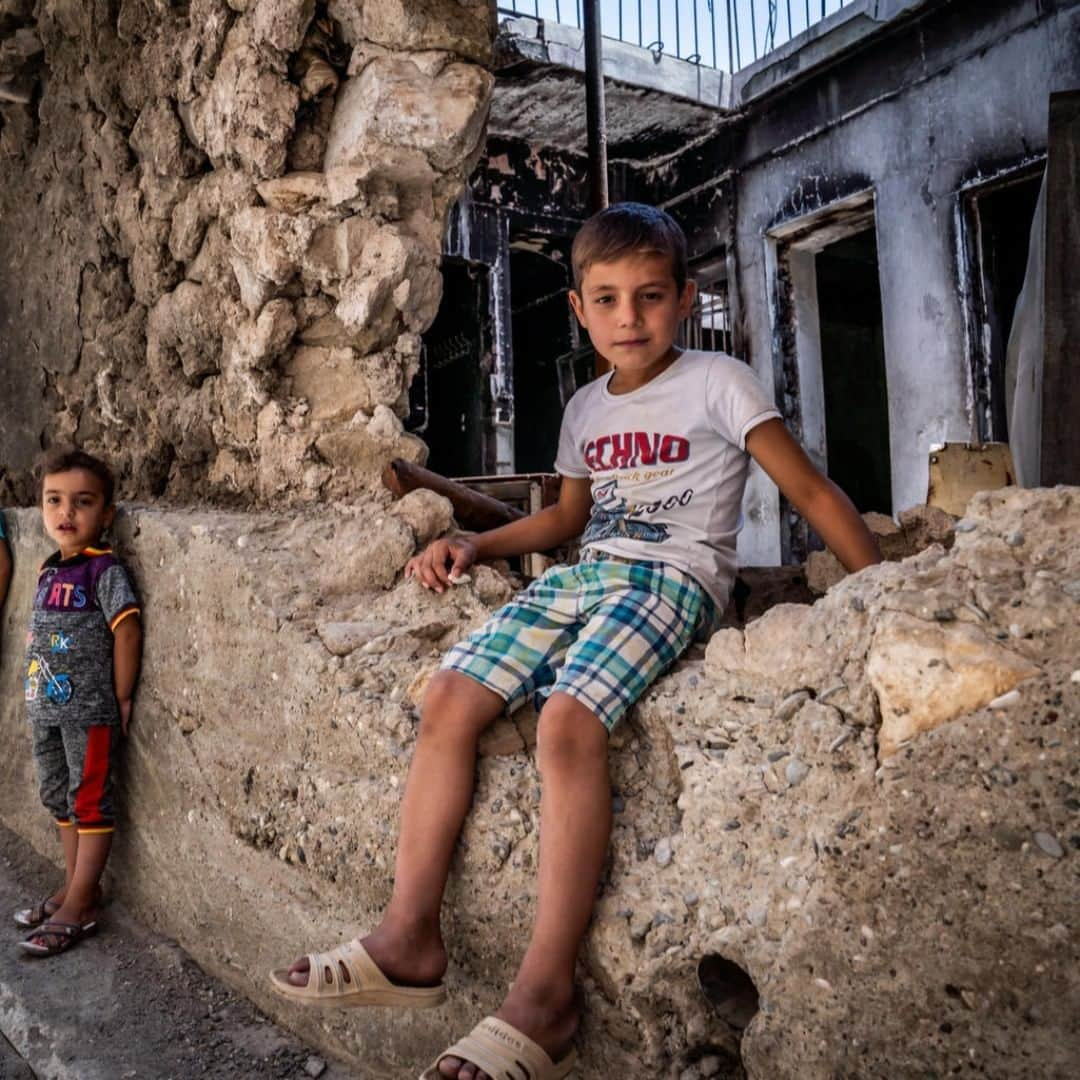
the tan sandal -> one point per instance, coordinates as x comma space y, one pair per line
500, 1050
348, 978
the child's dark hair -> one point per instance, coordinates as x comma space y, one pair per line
65, 459
629, 228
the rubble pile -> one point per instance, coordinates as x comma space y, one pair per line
225, 282
846, 837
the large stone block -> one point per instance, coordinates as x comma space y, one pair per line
270, 243
332, 382
465, 27
158, 140
280, 23
393, 104
926, 674
427, 513
247, 113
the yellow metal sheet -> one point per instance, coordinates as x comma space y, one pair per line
959, 470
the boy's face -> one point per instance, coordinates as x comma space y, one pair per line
74, 509
632, 309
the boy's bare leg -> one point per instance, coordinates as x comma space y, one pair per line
575, 827
82, 893
69, 843
407, 944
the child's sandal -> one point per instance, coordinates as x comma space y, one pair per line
30, 917
63, 935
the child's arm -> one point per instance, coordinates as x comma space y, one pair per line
817, 498
545, 529
127, 653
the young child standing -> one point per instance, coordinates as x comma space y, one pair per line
654, 458
82, 657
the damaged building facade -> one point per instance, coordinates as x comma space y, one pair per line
253, 250
859, 204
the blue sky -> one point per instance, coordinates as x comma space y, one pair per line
752, 17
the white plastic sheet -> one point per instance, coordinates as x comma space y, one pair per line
1024, 357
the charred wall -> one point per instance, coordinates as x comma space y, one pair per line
937, 103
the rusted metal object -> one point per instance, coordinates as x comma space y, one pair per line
471, 509
958, 470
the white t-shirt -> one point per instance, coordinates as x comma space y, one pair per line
668, 464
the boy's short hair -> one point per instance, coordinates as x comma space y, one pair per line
65, 459
629, 228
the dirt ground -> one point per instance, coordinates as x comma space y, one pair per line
127, 1004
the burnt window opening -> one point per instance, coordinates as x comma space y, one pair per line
999, 217
449, 400
853, 371
708, 326
543, 337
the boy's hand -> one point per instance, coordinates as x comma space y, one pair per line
440, 561
125, 716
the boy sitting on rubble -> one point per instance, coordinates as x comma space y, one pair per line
82, 657
653, 458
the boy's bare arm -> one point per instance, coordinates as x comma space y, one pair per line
127, 654
541, 531
817, 498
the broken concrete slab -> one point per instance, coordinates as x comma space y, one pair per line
266, 770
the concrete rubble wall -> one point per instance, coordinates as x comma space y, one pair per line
220, 227
870, 805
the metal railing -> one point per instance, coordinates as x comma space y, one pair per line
726, 34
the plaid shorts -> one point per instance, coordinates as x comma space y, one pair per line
600, 631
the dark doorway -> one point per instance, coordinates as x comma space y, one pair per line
542, 334
1003, 217
449, 398
853, 371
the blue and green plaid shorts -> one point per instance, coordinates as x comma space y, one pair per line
600, 631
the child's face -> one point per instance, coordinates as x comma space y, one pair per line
632, 309
73, 506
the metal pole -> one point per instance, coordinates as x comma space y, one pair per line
730, 41
712, 20
595, 120
738, 47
